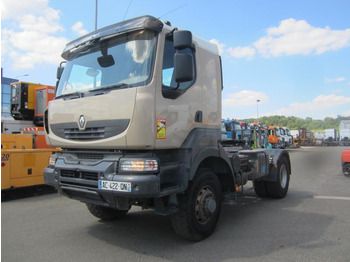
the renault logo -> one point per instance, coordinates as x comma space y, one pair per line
82, 121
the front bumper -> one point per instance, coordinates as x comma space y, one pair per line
142, 186
79, 179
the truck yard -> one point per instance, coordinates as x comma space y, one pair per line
135, 136
310, 224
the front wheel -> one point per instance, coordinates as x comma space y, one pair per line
199, 208
105, 213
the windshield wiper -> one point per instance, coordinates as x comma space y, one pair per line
72, 95
119, 85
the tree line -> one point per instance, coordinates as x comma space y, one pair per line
293, 122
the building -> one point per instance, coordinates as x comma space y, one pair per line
6, 95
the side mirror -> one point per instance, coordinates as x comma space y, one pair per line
59, 72
183, 68
182, 39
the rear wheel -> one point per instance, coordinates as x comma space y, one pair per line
199, 207
260, 188
279, 188
105, 213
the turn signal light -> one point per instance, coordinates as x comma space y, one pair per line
52, 160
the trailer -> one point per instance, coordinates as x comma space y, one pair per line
137, 114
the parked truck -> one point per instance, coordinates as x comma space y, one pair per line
331, 137
289, 138
137, 114
234, 133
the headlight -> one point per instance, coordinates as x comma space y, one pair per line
138, 165
52, 160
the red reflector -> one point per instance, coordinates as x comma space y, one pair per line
3, 164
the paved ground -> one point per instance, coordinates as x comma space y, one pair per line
311, 224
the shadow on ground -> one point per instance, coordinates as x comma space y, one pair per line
146, 233
20, 193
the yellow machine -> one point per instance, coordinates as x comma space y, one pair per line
24, 155
16, 141
23, 167
21, 164
306, 138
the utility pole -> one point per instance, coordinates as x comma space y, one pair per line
96, 14
257, 110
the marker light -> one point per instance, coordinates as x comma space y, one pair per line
138, 165
52, 160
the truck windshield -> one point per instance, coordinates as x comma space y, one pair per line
122, 61
237, 127
278, 132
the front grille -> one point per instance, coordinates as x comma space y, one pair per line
94, 130
87, 134
89, 156
79, 178
80, 175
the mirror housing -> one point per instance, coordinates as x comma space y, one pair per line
182, 39
59, 72
183, 68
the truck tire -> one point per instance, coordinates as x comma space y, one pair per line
199, 207
260, 188
105, 213
347, 169
279, 188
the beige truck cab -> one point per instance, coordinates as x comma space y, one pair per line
137, 114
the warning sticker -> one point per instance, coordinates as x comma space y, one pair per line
161, 128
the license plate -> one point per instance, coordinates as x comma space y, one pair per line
114, 186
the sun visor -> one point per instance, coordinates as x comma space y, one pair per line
138, 23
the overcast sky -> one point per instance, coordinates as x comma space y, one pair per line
292, 55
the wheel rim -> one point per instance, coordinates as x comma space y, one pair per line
205, 206
283, 176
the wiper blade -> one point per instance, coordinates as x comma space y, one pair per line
72, 95
119, 85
